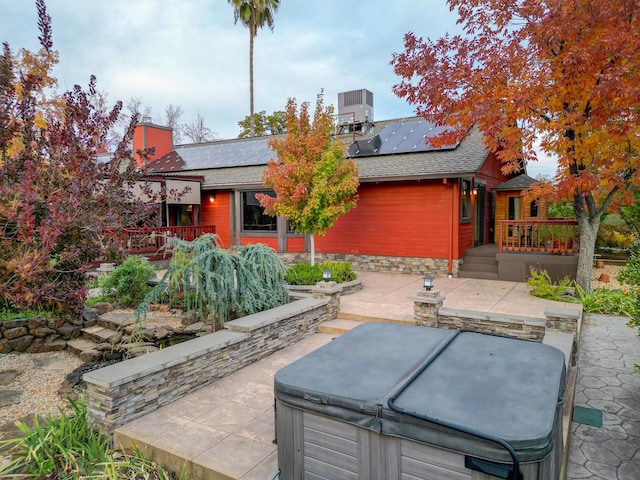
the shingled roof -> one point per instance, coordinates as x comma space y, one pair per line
516, 183
241, 162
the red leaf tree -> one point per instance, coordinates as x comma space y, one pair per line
563, 71
56, 197
313, 182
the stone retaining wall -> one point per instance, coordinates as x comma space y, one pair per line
41, 334
438, 267
513, 325
122, 392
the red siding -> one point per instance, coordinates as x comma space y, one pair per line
218, 214
395, 219
147, 136
268, 241
295, 244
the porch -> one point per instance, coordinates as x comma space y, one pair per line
151, 241
558, 237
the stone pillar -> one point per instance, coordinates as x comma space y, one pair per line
330, 291
426, 306
562, 319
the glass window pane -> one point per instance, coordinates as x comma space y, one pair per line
253, 216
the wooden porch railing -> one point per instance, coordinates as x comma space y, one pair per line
550, 236
152, 239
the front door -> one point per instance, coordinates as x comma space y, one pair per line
480, 214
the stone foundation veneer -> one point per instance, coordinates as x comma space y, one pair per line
438, 267
122, 392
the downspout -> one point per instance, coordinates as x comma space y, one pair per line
450, 265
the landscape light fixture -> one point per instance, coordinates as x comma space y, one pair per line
326, 275
428, 282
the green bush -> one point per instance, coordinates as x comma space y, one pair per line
66, 448
305, 274
128, 285
543, 287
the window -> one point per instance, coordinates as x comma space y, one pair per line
533, 208
465, 200
514, 208
253, 217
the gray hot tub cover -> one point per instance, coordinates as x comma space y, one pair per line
501, 386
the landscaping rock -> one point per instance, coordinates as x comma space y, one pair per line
41, 331
55, 322
103, 307
36, 322
190, 317
15, 323
8, 376
5, 347
195, 328
9, 397
90, 355
37, 346
90, 314
16, 332
21, 344
161, 333
68, 331
54, 345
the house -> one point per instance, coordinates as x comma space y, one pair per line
419, 208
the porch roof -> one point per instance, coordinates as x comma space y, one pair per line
516, 183
241, 162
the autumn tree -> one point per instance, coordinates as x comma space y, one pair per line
254, 14
56, 196
313, 182
274, 124
564, 71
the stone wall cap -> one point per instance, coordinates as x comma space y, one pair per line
128, 370
273, 315
563, 312
491, 316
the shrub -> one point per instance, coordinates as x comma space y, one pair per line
221, 284
305, 274
127, 285
65, 447
543, 287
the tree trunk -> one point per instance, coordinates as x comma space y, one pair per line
588, 233
313, 250
252, 128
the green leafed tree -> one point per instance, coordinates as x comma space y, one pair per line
313, 181
56, 196
564, 71
254, 14
274, 124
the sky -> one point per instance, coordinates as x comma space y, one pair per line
189, 53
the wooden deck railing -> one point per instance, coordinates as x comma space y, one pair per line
550, 236
152, 239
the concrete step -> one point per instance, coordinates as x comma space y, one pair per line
478, 275
483, 251
465, 267
479, 261
99, 334
368, 318
338, 326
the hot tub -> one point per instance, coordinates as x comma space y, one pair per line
388, 401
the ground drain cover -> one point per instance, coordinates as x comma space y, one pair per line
587, 416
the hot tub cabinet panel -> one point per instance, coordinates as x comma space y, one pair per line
395, 402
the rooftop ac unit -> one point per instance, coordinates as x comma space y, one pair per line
355, 106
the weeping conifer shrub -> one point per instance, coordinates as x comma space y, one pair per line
221, 284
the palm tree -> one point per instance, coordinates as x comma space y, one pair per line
254, 14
